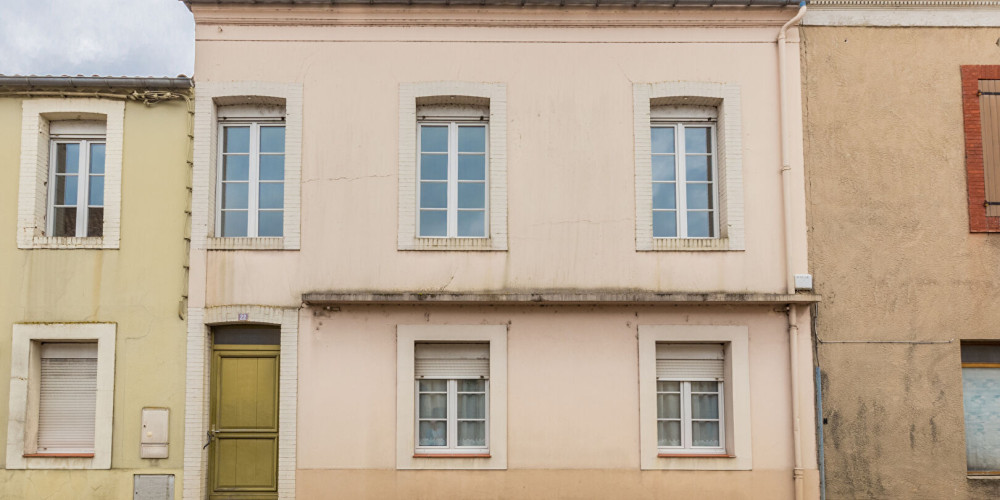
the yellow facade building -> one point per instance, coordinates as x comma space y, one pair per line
93, 256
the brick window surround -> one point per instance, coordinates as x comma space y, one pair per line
979, 222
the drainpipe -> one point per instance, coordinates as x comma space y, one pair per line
793, 328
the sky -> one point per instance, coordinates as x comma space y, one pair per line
96, 37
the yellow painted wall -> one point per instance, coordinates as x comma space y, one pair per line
892, 255
138, 286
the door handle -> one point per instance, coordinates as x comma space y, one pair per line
211, 436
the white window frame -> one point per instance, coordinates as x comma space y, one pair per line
415, 95
22, 424
737, 450
212, 97
253, 182
408, 454
687, 446
451, 446
681, 208
34, 193
453, 125
728, 154
83, 180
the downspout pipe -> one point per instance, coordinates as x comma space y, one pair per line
786, 189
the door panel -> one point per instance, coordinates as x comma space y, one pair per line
243, 455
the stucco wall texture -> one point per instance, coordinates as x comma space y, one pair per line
138, 287
892, 255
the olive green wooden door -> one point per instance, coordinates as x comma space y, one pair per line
243, 450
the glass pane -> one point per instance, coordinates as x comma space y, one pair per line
471, 167
272, 139
236, 140
471, 406
664, 195
704, 406
67, 158
433, 167
662, 386
700, 225
272, 195
472, 223
433, 433
433, 385
433, 195
471, 195
663, 139
698, 196
66, 189
433, 138
97, 158
234, 224
668, 433
668, 406
472, 433
270, 223
663, 168
236, 167
981, 397
272, 167
704, 387
433, 406
696, 139
433, 223
64, 222
697, 168
664, 224
95, 192
705, 433
471, 385
472, 139
95, 221
234, 195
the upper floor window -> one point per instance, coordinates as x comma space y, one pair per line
981, 106
688, 166
684, 172
251, 176
76, 179
453, 164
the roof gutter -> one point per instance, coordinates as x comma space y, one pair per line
94, 83
512, 3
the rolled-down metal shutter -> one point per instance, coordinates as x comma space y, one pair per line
67, 400
690, 361
455, 361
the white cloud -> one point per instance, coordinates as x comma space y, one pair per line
96, 37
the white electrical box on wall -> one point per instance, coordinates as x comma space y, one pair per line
154, 442
803, 282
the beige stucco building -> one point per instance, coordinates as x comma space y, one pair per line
898, 139
498, 251
93, 218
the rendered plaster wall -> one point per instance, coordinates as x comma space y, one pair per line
892, 255
137, 286
570, 146
572, 405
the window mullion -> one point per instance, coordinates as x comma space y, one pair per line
452, 202
254, 180
686, 425
681, 163
82, 182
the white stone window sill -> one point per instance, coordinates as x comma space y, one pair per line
68, 242
690, 244
246, 243
470, 244
988, 477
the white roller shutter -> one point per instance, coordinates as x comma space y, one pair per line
452, 361
67, 400
690, 361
